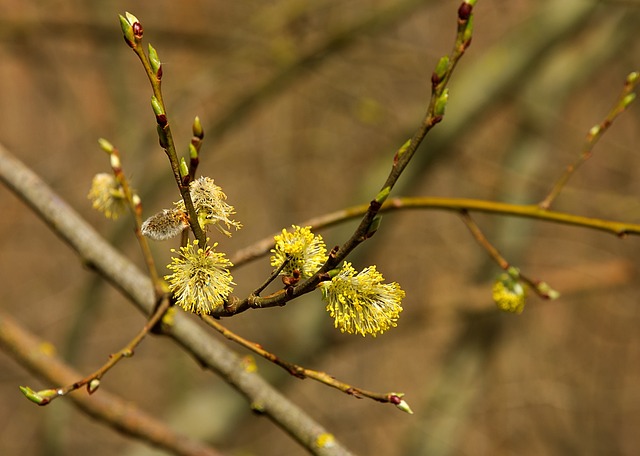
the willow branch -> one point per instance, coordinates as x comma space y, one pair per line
133, 33
542, 289
95, 252
434, 115
594, 135
531, 211
135, 206
302, 372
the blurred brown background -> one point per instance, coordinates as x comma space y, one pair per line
304, 104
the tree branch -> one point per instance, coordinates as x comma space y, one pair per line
531, 211
113, 410
126, 277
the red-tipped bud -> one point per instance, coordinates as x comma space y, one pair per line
464, 12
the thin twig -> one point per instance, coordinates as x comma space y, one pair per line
271, 278
135, 207
542, 289
593, 136
92, 381
95, 252
123, 415
299, 371
433, 116
164, 129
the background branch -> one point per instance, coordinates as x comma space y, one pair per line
118, 413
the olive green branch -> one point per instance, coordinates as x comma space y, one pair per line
531, 211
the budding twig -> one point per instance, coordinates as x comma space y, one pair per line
92, 381
542, 289
132, 30
302, 372
595, 133
135, 206
434, 115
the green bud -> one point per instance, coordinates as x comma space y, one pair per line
633, 77
106, 145
198, 132
441, 103
157, 106
158, 110
396, 399
513, 272
374, 225
468, 31
547, 291
202, 219
32, 395
626, 101
334, 272
403, 148
131, 19
440, 71
382, 196
39, 397
442, 65
593, 131
154, 60
193, 152
184, 169
127, 30
402, 405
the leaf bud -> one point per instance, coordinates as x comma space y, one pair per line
93, 385
627, 100
106, 145
127, 31
154, 61
633, 77
193, 152
198, 132
440, 71
184, 169
441, 103
383, 195
396, 399
158, 110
